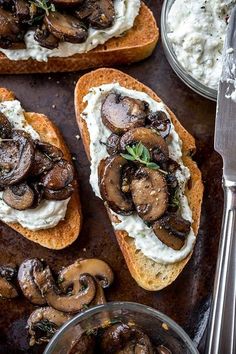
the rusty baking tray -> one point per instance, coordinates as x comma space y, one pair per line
187, 299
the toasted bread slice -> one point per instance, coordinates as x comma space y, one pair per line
147, 273
137, 44
67, 231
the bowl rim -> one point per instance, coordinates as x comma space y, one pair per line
188, 79
116, 305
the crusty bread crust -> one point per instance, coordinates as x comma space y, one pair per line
137, 44
67, 230
147, 273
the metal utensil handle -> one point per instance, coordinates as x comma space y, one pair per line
222, 323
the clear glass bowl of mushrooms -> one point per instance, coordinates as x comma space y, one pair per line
121, 327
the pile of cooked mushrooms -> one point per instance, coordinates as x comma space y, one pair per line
31, 170
139, 176
52, 20
76, 287
118, 338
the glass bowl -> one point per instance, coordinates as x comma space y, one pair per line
175, 64
160, 328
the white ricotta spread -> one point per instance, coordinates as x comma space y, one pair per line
49, 212
125, 13
144, 237
197, 31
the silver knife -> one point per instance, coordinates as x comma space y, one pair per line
222, 322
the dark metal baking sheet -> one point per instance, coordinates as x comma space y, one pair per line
187, 299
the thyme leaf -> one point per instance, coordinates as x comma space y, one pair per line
139, 152
175, 202
45, 5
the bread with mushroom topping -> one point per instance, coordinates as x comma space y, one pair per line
67, 230
147, 273
137, 44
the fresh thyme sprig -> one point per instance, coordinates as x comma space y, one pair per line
45, 5
175, 202
141, 154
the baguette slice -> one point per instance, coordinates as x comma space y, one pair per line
67, 230
147, 273
137, 44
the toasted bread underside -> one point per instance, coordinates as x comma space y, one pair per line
67, 230
137, 44
147, 273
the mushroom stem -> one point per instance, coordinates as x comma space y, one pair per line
43, 323
27, 282
71, 302
99, 269
7, 290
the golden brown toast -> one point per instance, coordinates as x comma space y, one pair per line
137, 44
67, 230
147, 273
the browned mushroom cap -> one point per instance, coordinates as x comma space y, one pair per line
43, 324
22, 10
114, 338
19, 196
149, 138
160, 122
127, 175
143, 344
7, 290
124, 339
172, 230
110, 186
59, 176
27, 283
66, 27
45, 38
100, 298
10, 30
16, 158
71, 302
149, 193
113, 144
40, 164
99, 269
67, 3
99, 13
161, 349
53, 152
60, 194
5, 127
8, 272
84, 345
121, 114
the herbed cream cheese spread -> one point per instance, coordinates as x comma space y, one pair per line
49, 212
126, 11
145, 239
196, 30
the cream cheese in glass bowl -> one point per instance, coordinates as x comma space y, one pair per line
193, 33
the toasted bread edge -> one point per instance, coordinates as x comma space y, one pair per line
137, 44
67, 230
147, 273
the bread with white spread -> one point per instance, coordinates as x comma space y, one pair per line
134, 45
67, 229
151, 274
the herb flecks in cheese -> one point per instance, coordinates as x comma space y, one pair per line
196, 29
